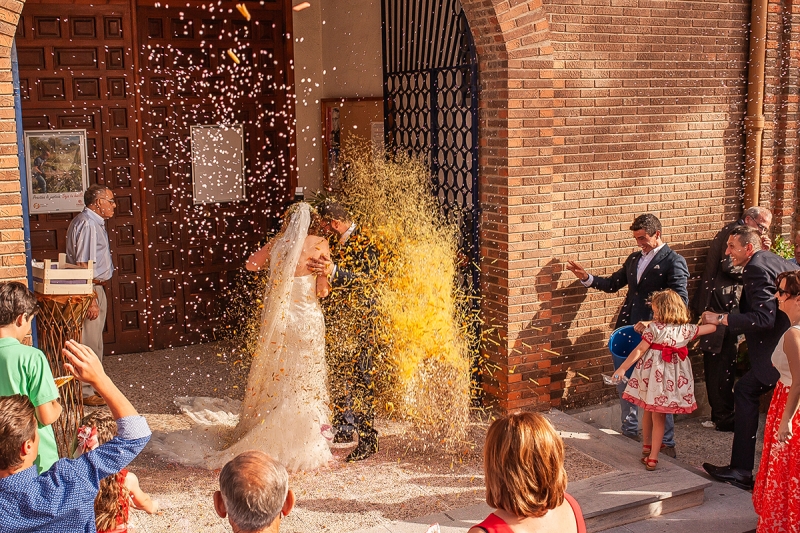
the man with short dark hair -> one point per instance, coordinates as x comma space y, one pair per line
656, 267
350, 271
719, 291
254, 493
87, 240
763, 324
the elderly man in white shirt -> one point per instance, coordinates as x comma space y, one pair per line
87, 240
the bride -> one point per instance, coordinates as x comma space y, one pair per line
285, 407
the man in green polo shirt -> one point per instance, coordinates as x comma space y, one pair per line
25, 370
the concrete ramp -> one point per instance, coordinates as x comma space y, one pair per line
629, 493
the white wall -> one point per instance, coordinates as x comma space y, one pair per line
351, 51
337, 54
308, 79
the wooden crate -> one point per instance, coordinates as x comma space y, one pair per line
60, 277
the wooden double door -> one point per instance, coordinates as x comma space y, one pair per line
136, 77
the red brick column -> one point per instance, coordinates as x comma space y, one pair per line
12, 246
779, 165
516, 158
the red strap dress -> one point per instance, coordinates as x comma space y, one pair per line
495, 524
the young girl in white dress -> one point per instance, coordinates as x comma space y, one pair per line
662, 381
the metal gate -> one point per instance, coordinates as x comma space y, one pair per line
431, 106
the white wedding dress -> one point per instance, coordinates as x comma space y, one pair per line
285, 409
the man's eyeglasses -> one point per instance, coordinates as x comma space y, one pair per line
109, 200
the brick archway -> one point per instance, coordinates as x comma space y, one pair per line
516, 160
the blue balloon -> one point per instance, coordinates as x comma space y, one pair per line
621, 344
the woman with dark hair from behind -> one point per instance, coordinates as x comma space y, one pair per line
526, 480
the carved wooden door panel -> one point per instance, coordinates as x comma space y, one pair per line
189, 78
76, 71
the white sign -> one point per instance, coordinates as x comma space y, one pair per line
218, 163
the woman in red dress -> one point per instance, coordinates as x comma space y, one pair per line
776, 496
525, 479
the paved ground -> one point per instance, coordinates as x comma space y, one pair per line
404, 481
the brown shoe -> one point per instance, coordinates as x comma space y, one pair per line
94, 401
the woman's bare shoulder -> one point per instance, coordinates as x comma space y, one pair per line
315, 239
317, 242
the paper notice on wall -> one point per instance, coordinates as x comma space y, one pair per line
376, 134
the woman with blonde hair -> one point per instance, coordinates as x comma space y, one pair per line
526, 480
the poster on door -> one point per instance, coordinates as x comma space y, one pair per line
57, 170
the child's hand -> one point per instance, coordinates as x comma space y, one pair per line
639, 327
83, 363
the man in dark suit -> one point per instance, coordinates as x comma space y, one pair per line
349, 319
719, 291
762, 324
656, 267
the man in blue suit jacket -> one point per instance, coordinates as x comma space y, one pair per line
763, 324
655, 268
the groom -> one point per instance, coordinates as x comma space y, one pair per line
350, 271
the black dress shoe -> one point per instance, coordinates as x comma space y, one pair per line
343, 437
726, 474
726, 424
365, 448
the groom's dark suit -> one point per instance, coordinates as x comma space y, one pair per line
667, 270
763, 324
350, 316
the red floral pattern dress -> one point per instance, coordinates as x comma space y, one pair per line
662, 380
776, 495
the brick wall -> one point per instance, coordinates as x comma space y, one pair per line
594, 111
649, 120
12, 246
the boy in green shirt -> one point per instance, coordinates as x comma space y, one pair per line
25, 370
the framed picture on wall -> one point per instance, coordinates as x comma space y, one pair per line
344, 119
57, 170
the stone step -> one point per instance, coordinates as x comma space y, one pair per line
625, 495
630, 493
726, 508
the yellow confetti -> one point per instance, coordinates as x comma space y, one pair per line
243, 10
233, 56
